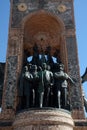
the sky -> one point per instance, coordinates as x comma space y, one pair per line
80, 13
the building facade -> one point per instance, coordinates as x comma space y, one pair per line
43, 23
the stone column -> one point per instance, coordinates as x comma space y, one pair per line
43, 119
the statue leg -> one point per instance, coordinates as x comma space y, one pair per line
41, 100
46, 97
65, 91
64, 97
20, 103
59, 99
33, 100
48, 94
27, 101
36, 98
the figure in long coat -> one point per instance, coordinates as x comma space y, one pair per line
25, 87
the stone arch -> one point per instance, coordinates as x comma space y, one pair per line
44, 29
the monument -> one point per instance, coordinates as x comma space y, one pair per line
41, 88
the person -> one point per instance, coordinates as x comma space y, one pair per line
48, 83
25, 87
61, 85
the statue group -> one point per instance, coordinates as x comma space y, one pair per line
40, 87
43, 83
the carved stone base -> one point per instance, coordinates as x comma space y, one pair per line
43, 119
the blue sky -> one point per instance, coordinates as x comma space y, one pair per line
81, 32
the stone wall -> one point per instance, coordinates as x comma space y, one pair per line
6, 128
62, 9
73, 67
47, 119
26, 7
2, 68
81, 128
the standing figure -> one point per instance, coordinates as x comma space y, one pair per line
49, 57
48, 83
40, 87
43, 59
35, 59
25, 88
57, 87
35, 85
61, 84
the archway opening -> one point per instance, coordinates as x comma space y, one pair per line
44, 51
44, 30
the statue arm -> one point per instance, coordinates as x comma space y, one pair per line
67, 77
57, 75
30, 78
71, 80
36, 77
52, 79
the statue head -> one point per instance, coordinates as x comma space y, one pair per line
48, 67
34, 68
44, 66
25, 68
29, 66
61, 66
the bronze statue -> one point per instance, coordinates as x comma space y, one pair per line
48, 83
43, 59
44, 81
41, 87
49, 57
35, 59
35, 83
61, 84
25, 87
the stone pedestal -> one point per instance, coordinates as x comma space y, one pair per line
43, 119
